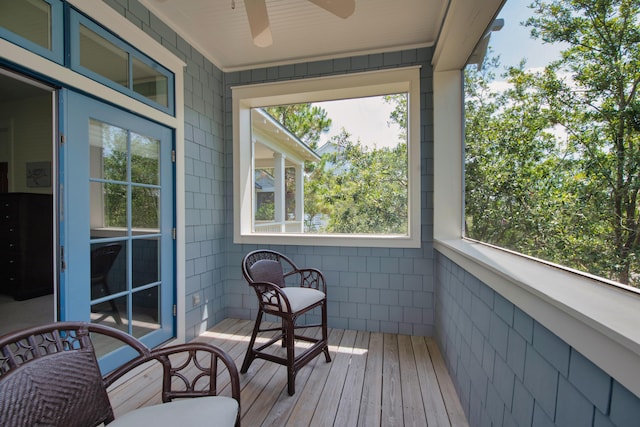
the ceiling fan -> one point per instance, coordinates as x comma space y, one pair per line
259, 19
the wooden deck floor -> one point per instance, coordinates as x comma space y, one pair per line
374, 379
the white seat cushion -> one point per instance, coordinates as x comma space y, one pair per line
211, 411
301, 298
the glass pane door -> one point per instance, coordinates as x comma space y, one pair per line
118, 220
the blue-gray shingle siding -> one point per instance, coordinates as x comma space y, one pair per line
542, 381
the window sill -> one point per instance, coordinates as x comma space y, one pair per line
351, 240
597, 319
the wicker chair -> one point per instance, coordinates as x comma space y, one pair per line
49, 376
268, 272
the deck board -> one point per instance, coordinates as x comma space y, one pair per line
374, 379
412, 405
391, 388
303, 411
450, 398
349, 405
325, 412
434, 405
284, 405
371, 398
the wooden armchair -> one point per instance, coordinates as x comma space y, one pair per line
268, 272
49, 376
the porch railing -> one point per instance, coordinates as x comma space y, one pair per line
278, 227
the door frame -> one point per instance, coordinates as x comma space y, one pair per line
75, 211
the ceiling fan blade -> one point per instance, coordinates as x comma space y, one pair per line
341, 8
258, 22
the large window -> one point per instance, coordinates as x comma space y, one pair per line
553, 142
334, 160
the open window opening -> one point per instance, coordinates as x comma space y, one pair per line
337, 164
552, 138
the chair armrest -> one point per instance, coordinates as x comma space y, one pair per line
194, 370
189, 370
310, 278
270, 296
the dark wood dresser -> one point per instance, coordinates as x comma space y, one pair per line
26, 245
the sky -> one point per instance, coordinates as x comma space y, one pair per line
364, 118
513, 42
367, 118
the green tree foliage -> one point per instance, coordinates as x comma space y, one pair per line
318, 189
144, 164
400, 112
305, 121
361, 190
525, 188
364, 190
265, 212
600, 107
506, 152
353, 189
571, 200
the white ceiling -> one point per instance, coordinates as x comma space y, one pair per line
301, 30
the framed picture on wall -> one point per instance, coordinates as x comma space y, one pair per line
39, 174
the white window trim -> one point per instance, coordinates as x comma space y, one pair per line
314, 90
594, 317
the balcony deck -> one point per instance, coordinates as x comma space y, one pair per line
374, 379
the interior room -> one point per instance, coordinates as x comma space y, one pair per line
26, 194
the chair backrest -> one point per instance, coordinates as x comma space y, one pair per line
267, 270
102, 259
49, 375
266, 266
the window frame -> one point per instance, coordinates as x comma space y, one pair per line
346, 86
56, 53
76, 19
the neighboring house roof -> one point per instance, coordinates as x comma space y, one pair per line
328, 147
331, 147
271, 136
264, 180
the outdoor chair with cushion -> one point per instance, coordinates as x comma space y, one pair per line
49, 376
288, 292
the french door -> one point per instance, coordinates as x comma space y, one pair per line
117, 221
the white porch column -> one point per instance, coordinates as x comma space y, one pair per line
279, 196
254, 191
299, 168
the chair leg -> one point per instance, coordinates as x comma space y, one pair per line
325, 335
112, 304
284, 333
116, 313
250, 355
291, 356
